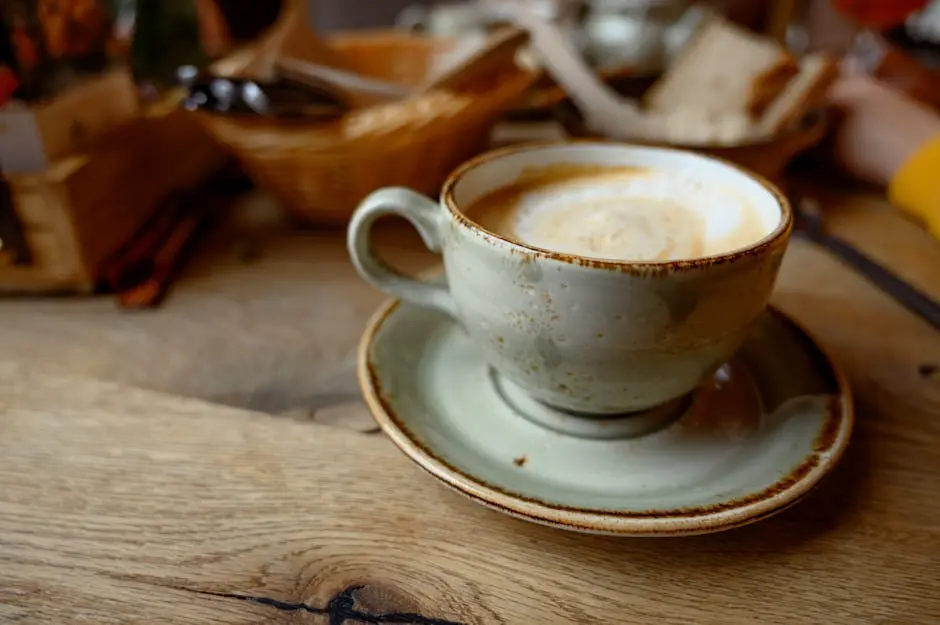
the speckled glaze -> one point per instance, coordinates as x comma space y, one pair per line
755, 438
584, 335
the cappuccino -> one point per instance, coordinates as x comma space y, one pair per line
622, 213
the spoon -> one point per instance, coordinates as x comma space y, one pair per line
356, 89
280, 99
240, 96
604, 111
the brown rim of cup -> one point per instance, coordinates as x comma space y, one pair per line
774, 238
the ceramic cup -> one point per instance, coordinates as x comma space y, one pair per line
582, 335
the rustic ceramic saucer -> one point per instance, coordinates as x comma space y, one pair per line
751, 441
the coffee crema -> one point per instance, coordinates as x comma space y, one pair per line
621, 213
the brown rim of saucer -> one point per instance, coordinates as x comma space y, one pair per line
829, 446
777, 238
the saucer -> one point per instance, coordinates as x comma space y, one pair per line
750, 441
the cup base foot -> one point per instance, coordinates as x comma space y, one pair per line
589, 426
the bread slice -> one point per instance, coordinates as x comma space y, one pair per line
769, 84
803, 93
723, 69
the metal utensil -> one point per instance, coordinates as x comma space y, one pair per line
349, 86
286, 99
809, 223
282, 98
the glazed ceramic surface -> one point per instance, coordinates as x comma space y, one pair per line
753, 439
585, 335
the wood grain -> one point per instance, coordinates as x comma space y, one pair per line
129, 506
266, 317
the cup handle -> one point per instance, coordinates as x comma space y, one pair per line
427, 218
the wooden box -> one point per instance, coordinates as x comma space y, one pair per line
79, 213
33, 138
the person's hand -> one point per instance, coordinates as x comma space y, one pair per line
881, 129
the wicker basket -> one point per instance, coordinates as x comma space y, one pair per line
320, 171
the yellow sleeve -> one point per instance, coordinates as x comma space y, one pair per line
915, 187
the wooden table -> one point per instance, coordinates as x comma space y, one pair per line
122, 505
290, 299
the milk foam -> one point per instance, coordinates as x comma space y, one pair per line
639, 215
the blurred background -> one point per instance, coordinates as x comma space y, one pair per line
221, 146
122, 110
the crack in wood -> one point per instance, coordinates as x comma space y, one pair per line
340, 610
